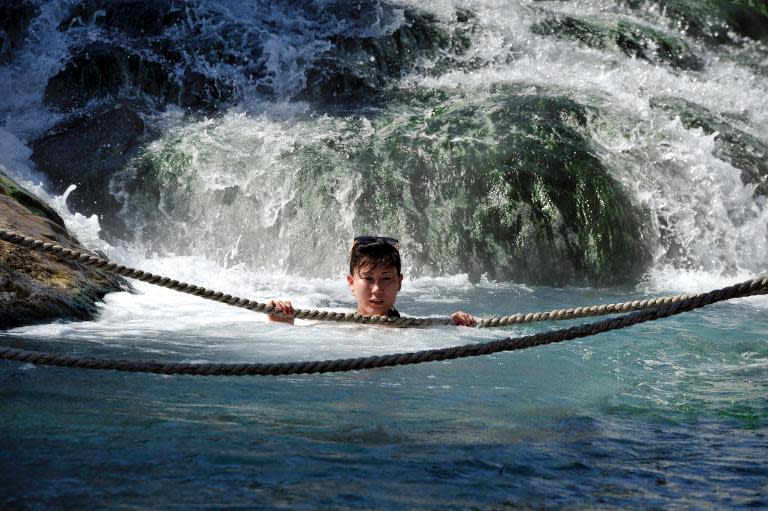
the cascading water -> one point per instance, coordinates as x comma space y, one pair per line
515, 149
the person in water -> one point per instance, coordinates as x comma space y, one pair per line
375, 278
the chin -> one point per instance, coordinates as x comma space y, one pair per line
378, 311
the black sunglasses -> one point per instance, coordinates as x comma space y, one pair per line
366, 240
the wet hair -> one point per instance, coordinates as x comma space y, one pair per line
377, 253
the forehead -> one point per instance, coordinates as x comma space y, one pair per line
376, 269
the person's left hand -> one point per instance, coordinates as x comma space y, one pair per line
463, 319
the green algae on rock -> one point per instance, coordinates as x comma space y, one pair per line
37, 287
358, 66
715, 21
501, 182
505, 185
631, 39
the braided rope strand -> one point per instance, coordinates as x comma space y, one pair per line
318, 315
747, 288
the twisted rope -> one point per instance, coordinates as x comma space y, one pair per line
747, 288
208, 294
318, 315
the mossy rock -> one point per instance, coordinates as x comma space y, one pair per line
37, 287
713, 20
504, 184
740, 149
33, 205
501, 182
356, 67
631, 39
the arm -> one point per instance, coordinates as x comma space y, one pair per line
463, 319
286, 308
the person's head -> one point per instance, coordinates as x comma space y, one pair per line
374, 273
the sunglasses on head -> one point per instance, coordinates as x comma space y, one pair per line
367, 240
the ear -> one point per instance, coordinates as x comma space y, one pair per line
350, 281
400, 282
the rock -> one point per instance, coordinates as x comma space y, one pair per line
714, 20
356, 67
505, 185
740, 149
636, 41
502, 182
96, 71
15, 17
88, 151
134, 17
101, 70
40, 288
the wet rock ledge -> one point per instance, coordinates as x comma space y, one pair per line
36, 287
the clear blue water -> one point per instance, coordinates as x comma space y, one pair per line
669, 415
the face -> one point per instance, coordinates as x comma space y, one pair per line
375, 288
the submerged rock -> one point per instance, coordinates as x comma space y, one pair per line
740, 149
359, 66
714, 20
37, 287
632, 39
504, 185
87, 152
15, 17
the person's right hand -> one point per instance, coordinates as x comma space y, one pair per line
463, 319
285, 307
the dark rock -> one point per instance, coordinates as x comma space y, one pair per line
15, 17
356, 67
101, 70
134, 17
94, 72
37, 287
633, 40
88, 151
740, 149
713, 20
201, 92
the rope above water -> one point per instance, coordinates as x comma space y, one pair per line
318, 315
747, 288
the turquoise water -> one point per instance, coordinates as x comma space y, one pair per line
672, 414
